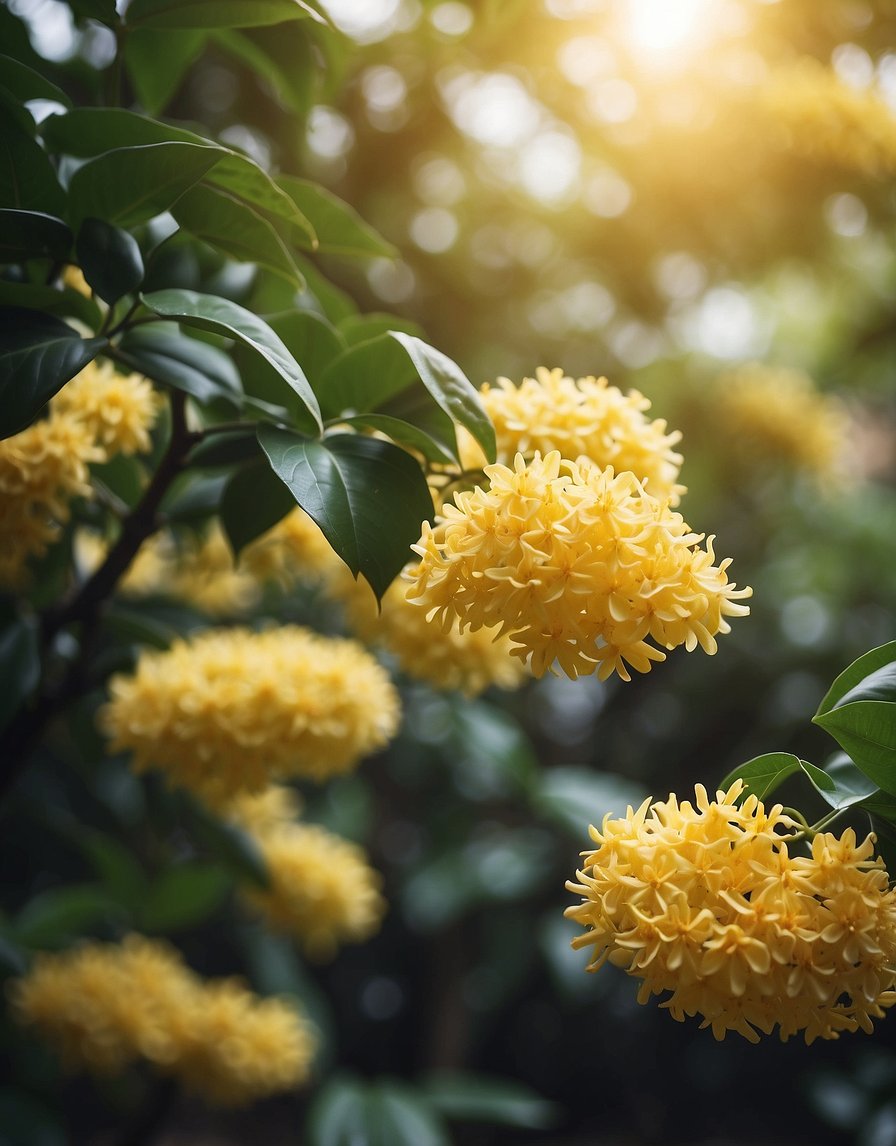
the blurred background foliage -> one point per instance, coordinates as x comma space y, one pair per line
616, 187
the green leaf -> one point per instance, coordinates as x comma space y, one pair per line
404, 433
38, 355
66, 302
219, 315
309, 339
254, 500
110, 259
184, 896
356, 328
235, 848
866, 664
163, 353
25, 83
230, 447
840, 782
52, 918
195, 497
28, 179
102, 10
280, 56
369, 497
217, 13
369, 374
399, 1116
113, 863
480, 1098
19, 665
338, 1115
575, 796
763, 774
144, 48
340, 230
232, 226
866, 731
32, 234
491, 754
132, 184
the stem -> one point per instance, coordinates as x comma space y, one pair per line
84, 606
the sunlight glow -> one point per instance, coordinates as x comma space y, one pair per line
665, 30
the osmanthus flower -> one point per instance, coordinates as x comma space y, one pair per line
228, 710
42, 469
105, 1006
580, 416
322, 890
777, 413
577, 565
705, 903
819, 117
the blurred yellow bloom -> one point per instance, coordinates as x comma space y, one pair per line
777, 414
293, 551
118, 409
705, 902
104, 1006
228, 710
577, 565
824, 119
583, 416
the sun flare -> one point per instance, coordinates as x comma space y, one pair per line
666, 30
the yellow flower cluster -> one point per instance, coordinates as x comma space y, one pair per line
294, 550
104, 1006
446, 658
706, 902
322, 890
228, 710
778, 413
577, 565
98, 414
823, 119
580, 416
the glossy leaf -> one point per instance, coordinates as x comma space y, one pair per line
340, 230
282, 55
145, 47
309, 339
763, 774
866, 731
19, 665
55, 917
219, 315
217, 13
254, 500
357, 328
26, 84
110, 259
482, 1098
230, 447
576, 797
840, 782
67, 302
852, 676
32, 234
338, 1115
28, 180
38, 355
232, 226
183, 896
369, 497
404, 433
163, 353
132, 184
399, 1116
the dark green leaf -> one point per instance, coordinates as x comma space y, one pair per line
369, 497
26, 84
184, 896
19, 665
144, 48
866, 664
137, 625
254, 500
230, 447
163, 353
114, 864
309, 339
216, 13
131, 184
207, 312
102, 10
234, 847
840, 782
28, 179
866, 731
38, 355
881, 805
576, 797
195, 497
357, 328
110, 259
400, 1116
480, 1098
32, 234
338, 1115
491, 753
404, 433
339, 228
763, 774
323, 296
25, 1119
232, 226
68, 302
280, 56
52, 918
